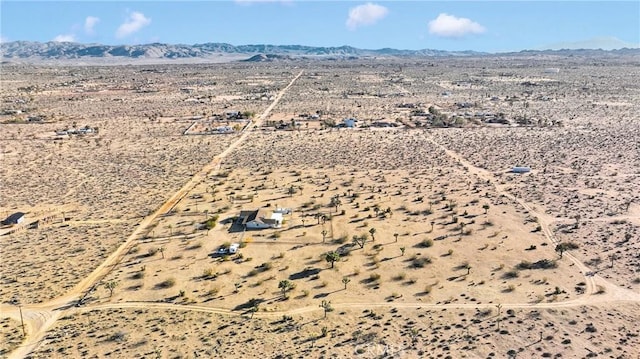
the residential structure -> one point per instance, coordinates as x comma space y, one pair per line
350, 122
15, 218
260, 219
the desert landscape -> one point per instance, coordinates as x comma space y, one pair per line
437, 207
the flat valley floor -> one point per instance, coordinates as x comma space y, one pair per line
406, 236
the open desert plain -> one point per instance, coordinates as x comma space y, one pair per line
419, 207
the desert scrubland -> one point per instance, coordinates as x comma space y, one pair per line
408, 236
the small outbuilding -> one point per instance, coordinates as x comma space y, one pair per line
15, 218
520, 169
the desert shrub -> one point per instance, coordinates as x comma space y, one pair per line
426, 243
196, 245
399, 276
138, 275
420, 262
544, 264
510, 274
374, 277
207, 272
168, 283
119, 336
524, 265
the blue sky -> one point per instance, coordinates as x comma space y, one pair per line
495, 26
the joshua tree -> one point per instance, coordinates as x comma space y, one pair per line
253, 310
413, 333
284, 286
372, 231
432, 223
326, 306
111, 285
161, 250
485, 207
324, 234
332, 257
396, 236
345, 281
360, 240
402, 249
613, 257
335, 202
462, 224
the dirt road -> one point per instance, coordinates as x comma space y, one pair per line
53, 309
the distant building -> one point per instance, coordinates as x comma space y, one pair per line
15, 218
224, 129
520, 169
349, 122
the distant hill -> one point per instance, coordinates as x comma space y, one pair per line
26, 51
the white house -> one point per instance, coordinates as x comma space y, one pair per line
224, 129
350, 122
260, 219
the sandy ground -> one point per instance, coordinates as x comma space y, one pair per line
460, 258
367, 333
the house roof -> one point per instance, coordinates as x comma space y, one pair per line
248, 216
259, 215
13, 218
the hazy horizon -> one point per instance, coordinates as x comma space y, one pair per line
449, 26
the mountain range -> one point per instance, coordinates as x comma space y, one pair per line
25, 51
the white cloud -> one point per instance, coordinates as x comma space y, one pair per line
367, 14
89, 23
3, 39
65, 38
446, 25
134, 23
